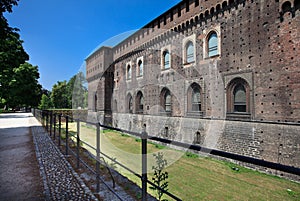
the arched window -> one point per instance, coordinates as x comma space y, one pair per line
128, 72
286, 7
166, 59
196, 100
212, 44
166, 100
197, 138
224, 5
189, 52
140, 68
139, 102
129, 103
238, 96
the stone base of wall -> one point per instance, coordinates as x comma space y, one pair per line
279, 143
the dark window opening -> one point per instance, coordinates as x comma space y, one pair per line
297, 4
239, 94
197, 138
130, 104
128, 72
212, 44
166, 133
140, 102
166, 61
190, 52
187, 6
168, 101
140, 68
286, 7
196, 100
179, 12
95, 102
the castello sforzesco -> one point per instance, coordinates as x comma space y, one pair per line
219, 74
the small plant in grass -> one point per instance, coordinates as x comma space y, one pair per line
191, 155
124, 135
292, 193
138, 140
159, 146
160, 176
113, 163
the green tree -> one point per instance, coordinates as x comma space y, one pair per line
77, 91
46, 102
160, 176
60, 95
12, 53
6, 5
24, 87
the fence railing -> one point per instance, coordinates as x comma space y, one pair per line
49, 121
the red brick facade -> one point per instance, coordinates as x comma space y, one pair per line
228, 60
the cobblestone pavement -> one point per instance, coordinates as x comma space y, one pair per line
41, 164
61, 182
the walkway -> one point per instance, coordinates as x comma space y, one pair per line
20, 175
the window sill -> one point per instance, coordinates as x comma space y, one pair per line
165, 69
189, 64
166, 114
194, 114
238, 116
212, 57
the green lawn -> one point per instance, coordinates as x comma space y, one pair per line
192, 177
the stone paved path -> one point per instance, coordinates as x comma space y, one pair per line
33, 168
26, 167
61, 182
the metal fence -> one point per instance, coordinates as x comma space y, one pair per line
53, 124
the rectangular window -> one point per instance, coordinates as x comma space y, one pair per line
179, 12
196, 3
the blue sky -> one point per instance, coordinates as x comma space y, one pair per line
59, 34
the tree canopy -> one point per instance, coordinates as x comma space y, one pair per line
24, 87
71, 94
18, 80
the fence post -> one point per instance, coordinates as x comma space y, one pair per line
144, 165
46, 120
67, 135
78, 142
54, 126
98, 158
51, 121
59, 129
43, 117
